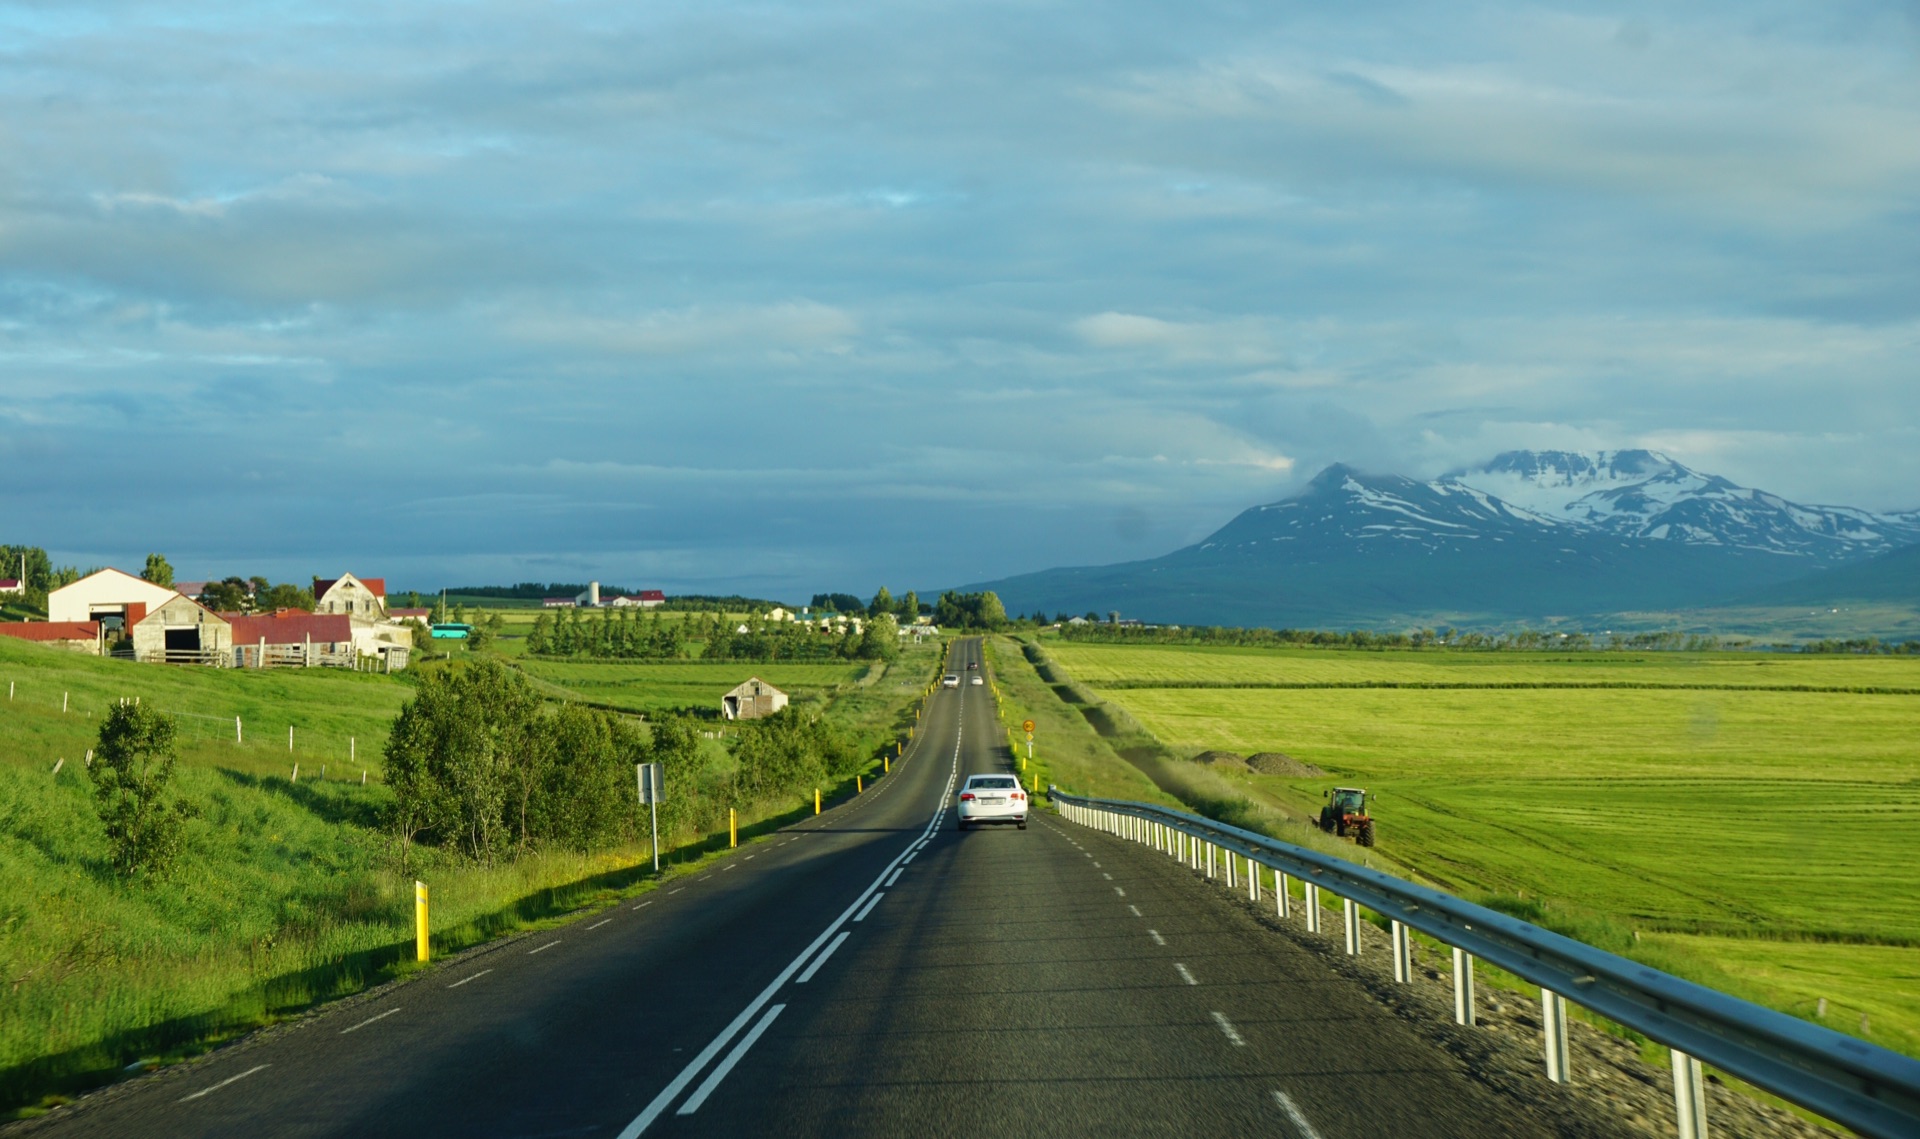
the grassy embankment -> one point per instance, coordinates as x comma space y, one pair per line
290, 892
1748, 821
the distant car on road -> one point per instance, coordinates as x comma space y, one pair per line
977, 680
973, 666
950, 680
992, 799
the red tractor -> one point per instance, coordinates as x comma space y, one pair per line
1346, 814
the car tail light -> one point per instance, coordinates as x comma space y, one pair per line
966, 796
1018, 797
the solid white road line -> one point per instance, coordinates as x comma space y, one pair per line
598, 924
369, 1020
1294, 1116
862, 915
679, 1083
1157, 939
230, 1080
1184, 975
464, 980
1226, 1026
822, 959
706, 1087
543, 948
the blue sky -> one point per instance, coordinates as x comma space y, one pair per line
794, 297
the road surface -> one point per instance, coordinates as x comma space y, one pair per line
871, 972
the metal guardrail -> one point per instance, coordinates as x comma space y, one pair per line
1859, 1085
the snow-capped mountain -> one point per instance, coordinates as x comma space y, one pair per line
1644, 494
1528, 535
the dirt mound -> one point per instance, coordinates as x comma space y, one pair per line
1280, 763
1221, 759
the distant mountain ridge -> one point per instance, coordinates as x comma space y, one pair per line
1530, 534
1645, 494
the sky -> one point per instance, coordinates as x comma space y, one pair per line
787, 298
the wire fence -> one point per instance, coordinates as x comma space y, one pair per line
316, 751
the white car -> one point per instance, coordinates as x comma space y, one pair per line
992, 799
950, 680
977, 680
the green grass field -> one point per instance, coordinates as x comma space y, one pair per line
1758, 830
290, 891
644, 687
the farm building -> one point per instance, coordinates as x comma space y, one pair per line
119, 598
752, 700
557, 602
12, 585
293, 638
356, 597
180, 630
421, 615
645, 599
80, 636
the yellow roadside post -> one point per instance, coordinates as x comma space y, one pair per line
886, 764
859, 788
816, 800
420, 919
733, 828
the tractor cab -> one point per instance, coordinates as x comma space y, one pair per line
1346, 814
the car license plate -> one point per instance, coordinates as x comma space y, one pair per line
993, 798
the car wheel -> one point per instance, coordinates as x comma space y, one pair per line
960, 824
1023, 824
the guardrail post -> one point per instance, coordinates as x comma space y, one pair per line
1352, 916
1553, 1009
1209, 862
1253, 879
1463, 988
1689, 1096
1282, 900
1313, 907
1402, 954
1226, 856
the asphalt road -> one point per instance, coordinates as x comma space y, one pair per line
870, 972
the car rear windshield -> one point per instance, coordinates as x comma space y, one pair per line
995, 783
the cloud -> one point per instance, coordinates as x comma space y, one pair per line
817, 296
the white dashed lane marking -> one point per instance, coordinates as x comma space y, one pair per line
369, 1020
464, 980
543, 948
1184, 975
1226, 1026
1157, 939
244, 1075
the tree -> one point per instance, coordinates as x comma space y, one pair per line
30, 564
540, 639
284, 596
132, 767
882, 603
880, 640
451, 755
231, 595
158, 571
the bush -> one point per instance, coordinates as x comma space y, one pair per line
131, 770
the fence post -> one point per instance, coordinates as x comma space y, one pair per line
237, 737
1313, 907
1689, 1096
1402, 954
1463, 988
1553, 1010
420, 920
1352, 916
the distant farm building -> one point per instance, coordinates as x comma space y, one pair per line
420, 615
80, 636
752, 700
12, 585
294, 638
557, 602
356, 597
180, 630
645, 599
119, 600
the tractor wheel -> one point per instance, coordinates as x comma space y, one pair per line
1326, 822
1340, 827
1364, 833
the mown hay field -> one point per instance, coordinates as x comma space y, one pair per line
1773, 834
643, 687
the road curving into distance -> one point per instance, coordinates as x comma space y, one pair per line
871, 972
